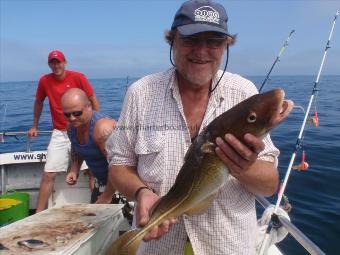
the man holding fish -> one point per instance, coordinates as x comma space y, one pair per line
180, 196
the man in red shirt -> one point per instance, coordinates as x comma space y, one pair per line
53, 86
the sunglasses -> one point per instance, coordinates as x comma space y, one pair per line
212, 42
75, 114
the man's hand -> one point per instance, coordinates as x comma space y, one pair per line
71, 178
239, 157
33, 132
146, 201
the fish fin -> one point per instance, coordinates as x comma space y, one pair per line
126, 244
208, 147
202, 206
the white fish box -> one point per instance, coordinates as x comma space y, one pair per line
83, 229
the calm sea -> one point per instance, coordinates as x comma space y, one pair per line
314, 194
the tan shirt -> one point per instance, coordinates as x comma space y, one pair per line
153, 136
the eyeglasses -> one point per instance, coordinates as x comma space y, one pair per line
75, 114
211, 42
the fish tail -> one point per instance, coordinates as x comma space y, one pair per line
127, 244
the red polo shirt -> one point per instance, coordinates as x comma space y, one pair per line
52, 88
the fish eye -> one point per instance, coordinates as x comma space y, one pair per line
251, 117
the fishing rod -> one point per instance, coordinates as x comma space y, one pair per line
127, 83
298, 142
277, 59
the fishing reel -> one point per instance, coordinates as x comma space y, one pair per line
128, 209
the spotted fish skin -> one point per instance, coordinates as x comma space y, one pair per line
203, 173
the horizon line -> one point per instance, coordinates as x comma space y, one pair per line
135, 78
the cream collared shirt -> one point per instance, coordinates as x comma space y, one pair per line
152, 135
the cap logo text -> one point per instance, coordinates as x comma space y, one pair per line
207, 14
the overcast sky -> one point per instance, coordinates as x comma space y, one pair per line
113, 39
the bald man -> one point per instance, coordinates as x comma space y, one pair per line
88, 132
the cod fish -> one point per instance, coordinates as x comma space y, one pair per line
203, 173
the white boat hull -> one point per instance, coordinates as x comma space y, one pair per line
22, 171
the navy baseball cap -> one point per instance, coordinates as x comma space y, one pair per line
197, 16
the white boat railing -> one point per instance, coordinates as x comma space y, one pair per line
300, 237
23, 133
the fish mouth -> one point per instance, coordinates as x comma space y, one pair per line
285, 107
